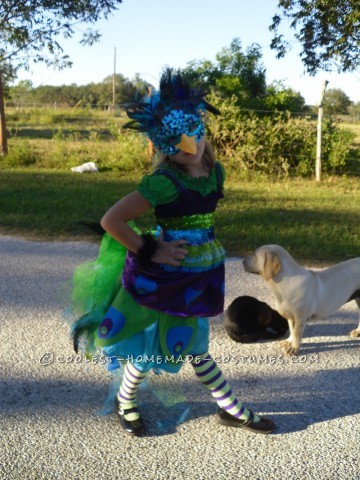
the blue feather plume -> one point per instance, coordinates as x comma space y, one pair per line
174, 94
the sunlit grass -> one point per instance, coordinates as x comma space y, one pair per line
316, 222
40, 197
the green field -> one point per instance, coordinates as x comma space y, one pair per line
316, 222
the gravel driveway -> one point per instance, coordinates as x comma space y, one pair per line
52, 402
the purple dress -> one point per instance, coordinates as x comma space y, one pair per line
196, 288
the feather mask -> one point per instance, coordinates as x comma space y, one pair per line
172, 113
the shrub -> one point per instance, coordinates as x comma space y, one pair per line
336, 147
127, 153
21, 154
280, 144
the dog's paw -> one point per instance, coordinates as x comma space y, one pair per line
288, 348
355, 333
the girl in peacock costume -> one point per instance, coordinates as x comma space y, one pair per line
172, 279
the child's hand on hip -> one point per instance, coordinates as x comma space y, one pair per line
170, 253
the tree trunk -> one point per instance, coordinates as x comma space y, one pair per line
3, 135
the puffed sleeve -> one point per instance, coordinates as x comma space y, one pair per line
158, 189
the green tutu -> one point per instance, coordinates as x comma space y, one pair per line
94, 287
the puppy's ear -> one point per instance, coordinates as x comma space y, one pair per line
272, 265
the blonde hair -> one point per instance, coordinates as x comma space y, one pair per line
208, 159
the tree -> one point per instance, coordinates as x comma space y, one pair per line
6, 74
327, 30
124, 90
235, 73
21, 93
244, 71
354, 111
336, 102
141, 86
92, 94
30, 31
280, 98
242, 76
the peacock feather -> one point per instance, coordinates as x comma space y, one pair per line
174, 94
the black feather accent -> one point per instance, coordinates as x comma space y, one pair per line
76, 338
173, 87
210, 108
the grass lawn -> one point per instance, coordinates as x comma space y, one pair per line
316, 222
41, 199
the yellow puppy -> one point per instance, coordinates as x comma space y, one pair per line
301, 294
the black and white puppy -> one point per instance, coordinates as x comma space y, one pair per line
247, 320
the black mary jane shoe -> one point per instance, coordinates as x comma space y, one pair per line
264, 425
131, 427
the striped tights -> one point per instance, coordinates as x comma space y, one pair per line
212, 378
206, 370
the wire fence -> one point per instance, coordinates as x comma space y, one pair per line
119, 109
69, 115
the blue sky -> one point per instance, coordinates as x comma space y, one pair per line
149, 34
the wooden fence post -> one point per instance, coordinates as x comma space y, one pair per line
319, 130
114, 82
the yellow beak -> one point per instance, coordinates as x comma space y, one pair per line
187, 144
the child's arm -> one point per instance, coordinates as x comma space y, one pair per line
128, 208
